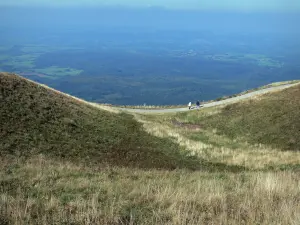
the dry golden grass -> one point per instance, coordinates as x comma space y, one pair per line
42, 191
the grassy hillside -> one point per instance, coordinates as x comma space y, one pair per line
272, 119
36, 120
249, 133
66, 144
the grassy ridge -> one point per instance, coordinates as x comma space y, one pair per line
272, 119
35, 120
276, 84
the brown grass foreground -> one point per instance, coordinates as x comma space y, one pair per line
42, 191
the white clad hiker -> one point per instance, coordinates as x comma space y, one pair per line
190, 105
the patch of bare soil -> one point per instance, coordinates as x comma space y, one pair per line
189, 126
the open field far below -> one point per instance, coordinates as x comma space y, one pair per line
132, 70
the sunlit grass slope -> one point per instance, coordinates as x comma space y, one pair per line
251, 133
37, 120
272, 119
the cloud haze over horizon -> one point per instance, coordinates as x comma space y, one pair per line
210, 5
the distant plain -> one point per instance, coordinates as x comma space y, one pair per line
151, 57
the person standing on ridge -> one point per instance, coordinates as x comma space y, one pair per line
190, 105
198, 104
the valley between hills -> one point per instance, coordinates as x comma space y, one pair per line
68, 161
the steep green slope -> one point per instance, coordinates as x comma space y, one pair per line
272, 119
36, 120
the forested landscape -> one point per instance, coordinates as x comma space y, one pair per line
104, 59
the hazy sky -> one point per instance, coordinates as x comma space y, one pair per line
214, 5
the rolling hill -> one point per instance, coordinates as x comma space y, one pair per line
37, 120
271, 119
66, 161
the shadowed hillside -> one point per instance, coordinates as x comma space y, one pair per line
36, 120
